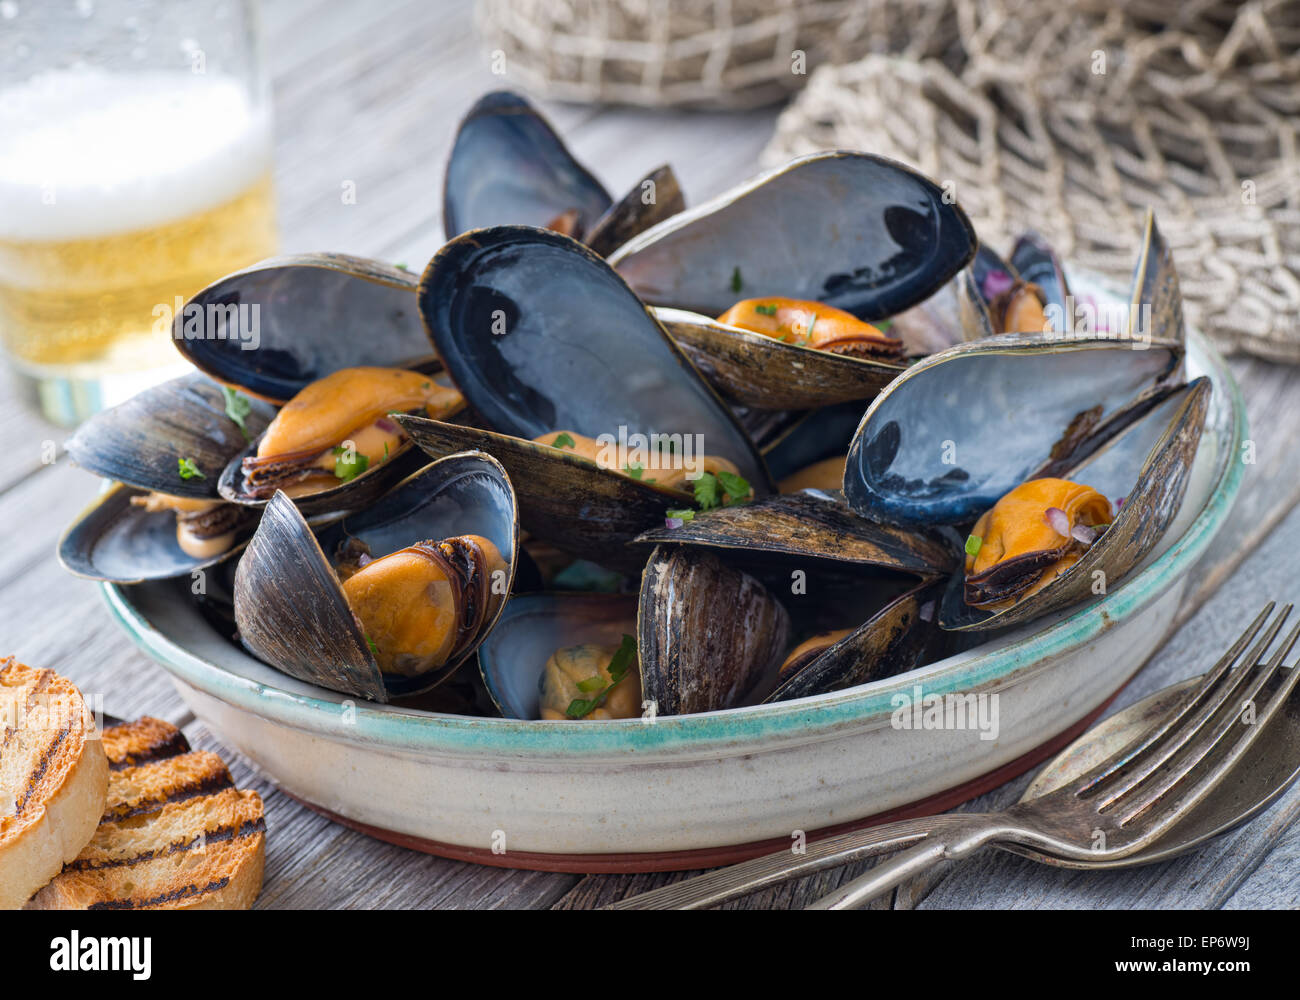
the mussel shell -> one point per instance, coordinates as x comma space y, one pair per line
534, 626
763, 372
988, 272
632, 214
140, 442
508, 165
1155, 286
112, 540
976, 324
996, 410
891, 642
810, 525
1148, 464
290, 606
540, 334
563, 498
347, 496
852, 230
1037, 263
706, 633
316, 313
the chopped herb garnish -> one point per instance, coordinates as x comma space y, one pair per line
373, 647
807, 334
706, 492
401, 266
348, 467
385, 451
591, 684
619, 665
736, 487
564, 440
973, 544
635, 471
765, 310
736, 283
685, 514
425, 385
237, 408
188, 469
883, 325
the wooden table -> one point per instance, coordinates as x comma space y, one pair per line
371, 93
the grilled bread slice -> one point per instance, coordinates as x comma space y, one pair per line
176, 833
53, 778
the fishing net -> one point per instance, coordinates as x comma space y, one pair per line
1068, 117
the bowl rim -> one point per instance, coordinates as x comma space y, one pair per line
719, 733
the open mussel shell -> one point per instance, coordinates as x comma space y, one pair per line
540, 334
706, 633
958, 430
532, 627
1147, 465
564, 499
289, 602
770, 374
273, 328
892, 641
655, 197
810, 525
115, 541
140, 443
852, 230
508, 165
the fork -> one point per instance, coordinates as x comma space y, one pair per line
1134, 797
1122, 805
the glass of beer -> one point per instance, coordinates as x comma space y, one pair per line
135, 168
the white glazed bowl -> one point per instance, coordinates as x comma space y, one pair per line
696, 790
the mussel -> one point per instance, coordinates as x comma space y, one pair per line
274, 328
389, 601
165, 447
843, 232
508, 165
863, 596
336, 444
544, 338
985, 430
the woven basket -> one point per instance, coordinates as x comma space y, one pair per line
694, 53
1070, 119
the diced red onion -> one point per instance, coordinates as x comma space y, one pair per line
1059, 520
673, 522
927, 611
387, 426
996, 282
1083, 533
364, 559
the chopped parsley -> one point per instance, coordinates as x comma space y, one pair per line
401, 266
973, 545
373, 647
635, 471
765, 310
685, 514
736, 283
348, 467
188, 470
237, 408
619, 665
707, 495
710, 487
564, 440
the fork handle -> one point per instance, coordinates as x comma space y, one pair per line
950, 845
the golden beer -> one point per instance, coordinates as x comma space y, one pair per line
119, 193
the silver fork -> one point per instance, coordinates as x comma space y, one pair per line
1134, 797
1159, 762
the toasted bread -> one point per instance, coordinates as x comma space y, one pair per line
176, 833
53, 778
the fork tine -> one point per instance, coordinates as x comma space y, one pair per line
1210, 737
1185, 727
1144, 744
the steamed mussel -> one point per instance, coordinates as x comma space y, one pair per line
388, 601
339, 426
165, 447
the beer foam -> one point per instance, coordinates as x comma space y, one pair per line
87, 153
